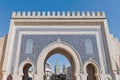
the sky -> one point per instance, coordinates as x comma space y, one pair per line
111, 8
58, 59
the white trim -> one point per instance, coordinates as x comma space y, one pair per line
100, 54
50, 33
58, 20
50, 47
9, 48
57, 33
61, 27
44, 33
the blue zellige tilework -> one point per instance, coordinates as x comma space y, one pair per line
41, 41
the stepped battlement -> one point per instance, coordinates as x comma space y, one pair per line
58, 14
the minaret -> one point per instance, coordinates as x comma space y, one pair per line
64, 70
57, 68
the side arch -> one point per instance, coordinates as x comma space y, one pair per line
94, 63
28, 61
59, 45
91, 70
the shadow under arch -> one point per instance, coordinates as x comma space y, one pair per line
23, 64
60, 47
91, 69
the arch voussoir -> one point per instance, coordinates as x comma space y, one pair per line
60, 46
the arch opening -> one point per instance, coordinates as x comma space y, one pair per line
92, 72
69, 71
64, 49
27, 72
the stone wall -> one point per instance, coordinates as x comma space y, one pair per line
3, 41
1, 46
115, 56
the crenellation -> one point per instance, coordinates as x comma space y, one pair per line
98, 13
53, 13
68, 13
88, 13
103, 13
83, 13
13, 13
18, 13
93, 13
28, 13
58, 14
73, 13
78, 13
63, 13
23, 13
43, 13
33, 13
38, 13
48, 13
117, 40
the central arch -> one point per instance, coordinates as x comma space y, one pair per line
63, 48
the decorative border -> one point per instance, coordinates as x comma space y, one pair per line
52, 33
42, 30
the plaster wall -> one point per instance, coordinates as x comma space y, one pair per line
1, 46
3, 41
115, 55
115, 51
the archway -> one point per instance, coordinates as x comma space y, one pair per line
92, 72
69, 58
60, 47
57, 66
27, 72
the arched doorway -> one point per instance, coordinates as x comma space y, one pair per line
58, 74
27, 72
59, 47
92, 72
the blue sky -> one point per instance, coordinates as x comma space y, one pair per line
59, 59
111, 7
